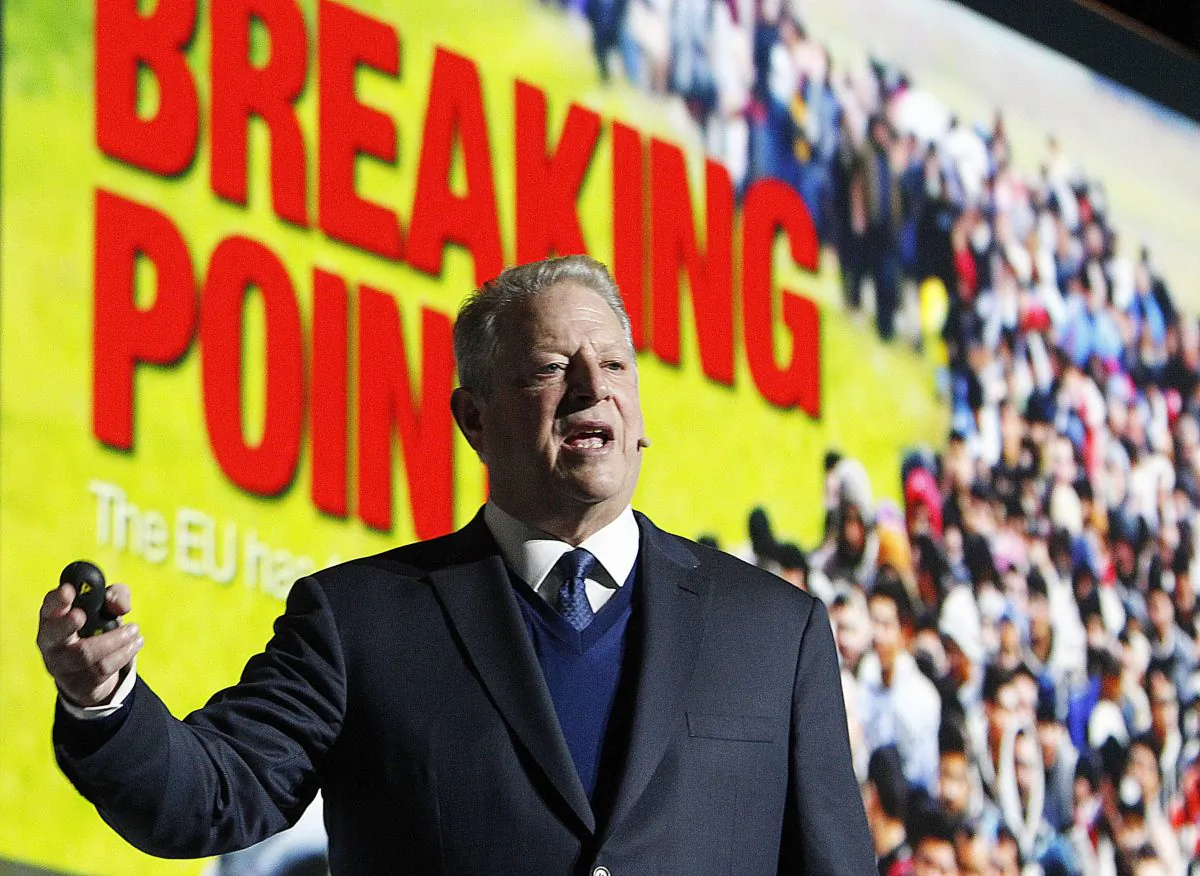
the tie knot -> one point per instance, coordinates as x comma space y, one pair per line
577, 564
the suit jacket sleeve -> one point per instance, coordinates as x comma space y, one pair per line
825, 829
236, 771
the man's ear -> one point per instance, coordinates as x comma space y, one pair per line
469, 416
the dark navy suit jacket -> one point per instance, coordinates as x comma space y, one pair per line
405, 686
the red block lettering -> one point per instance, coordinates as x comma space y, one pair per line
772, 206
673, 238
241, 90
629, 225
386, 402
127, 42
329, 405
548, 185
347, 129
439, 215
123, 334
237, 266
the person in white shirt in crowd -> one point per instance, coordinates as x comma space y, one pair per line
899, 704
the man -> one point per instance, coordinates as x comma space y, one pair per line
962, 638
1171, 649
954, 791
496, 701
1024, 810
1006, 855
971, 849
1058, 762
885, 799
899, 704
1107, 719
1143, 766
875, 217
934, 853
851, 625
1009, 700
851, 548
1165, 730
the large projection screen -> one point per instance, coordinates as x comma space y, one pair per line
234, 235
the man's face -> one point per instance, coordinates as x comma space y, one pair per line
1039, 615
1027, 695
1161, 611
886, 633
1063, 461
1010, 638
1005, 860
849, 632
854, 533
880, 134
1028, 765
1001, 713
1082, 795
1143, 767
917, 518
1049, 735
954, 782
559, 429
972, 855
1164, 705
958, 662
1124, 557
935, 857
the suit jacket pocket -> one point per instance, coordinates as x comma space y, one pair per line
738, 728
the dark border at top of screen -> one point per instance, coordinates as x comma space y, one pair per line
1110, 44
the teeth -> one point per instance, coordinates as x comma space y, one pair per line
582, 438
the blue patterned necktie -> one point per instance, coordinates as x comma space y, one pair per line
572, 602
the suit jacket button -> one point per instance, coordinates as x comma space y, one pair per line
601, 871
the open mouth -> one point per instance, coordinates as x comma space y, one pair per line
588, 436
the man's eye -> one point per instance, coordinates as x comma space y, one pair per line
551, 368
615, 365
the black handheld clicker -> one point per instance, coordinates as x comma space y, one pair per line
88, 581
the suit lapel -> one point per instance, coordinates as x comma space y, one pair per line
480, 602
672, 603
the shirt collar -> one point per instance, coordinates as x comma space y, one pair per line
532, 553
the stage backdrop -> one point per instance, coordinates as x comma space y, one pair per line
235, 234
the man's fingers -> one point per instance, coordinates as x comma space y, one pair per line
95, 684
57, 631
58, 601
94, 655
117, 659
119, 599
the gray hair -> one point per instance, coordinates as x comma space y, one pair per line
478, 327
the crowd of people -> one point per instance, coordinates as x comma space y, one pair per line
901, 189
1018, 642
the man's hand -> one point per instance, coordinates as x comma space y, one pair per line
86, 671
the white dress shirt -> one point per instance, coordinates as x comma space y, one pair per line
533, 554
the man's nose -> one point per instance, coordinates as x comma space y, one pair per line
587, 379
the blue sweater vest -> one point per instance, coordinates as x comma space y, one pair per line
582, 670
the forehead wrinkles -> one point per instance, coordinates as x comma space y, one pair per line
564, 325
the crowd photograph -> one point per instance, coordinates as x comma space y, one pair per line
982, 659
